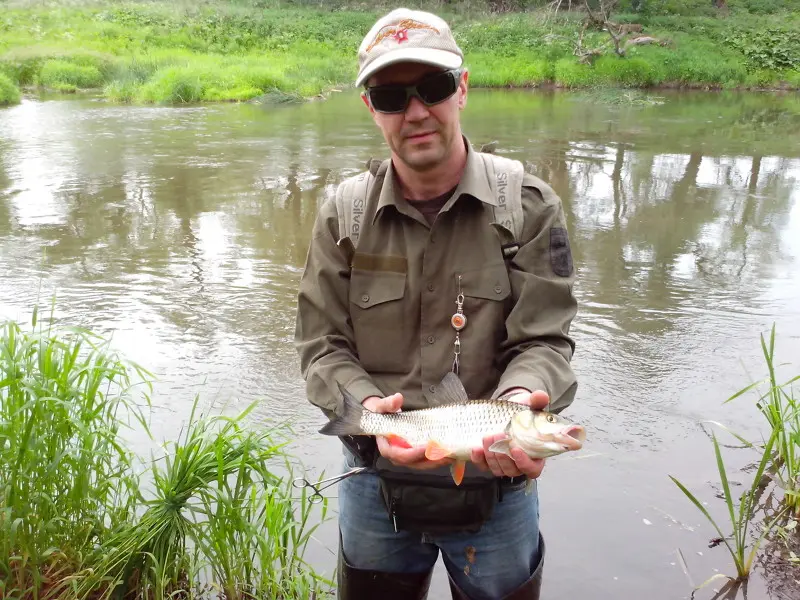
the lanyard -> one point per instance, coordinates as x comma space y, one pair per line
458, 321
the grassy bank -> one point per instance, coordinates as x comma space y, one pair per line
158, 52
76, 521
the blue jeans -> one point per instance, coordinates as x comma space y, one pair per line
486, 565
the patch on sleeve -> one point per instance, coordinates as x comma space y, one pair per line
560, 252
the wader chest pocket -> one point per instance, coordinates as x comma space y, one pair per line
429, 505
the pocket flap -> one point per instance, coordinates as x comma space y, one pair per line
370, 288
489, 282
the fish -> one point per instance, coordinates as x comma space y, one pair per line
456, 425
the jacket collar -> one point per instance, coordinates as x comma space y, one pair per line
473, 183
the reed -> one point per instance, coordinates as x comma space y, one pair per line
781, 410
740, 512
75, 521
64, 399
779, 462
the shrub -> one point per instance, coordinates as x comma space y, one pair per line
9, 94
63, 75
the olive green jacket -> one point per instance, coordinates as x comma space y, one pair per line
383, 326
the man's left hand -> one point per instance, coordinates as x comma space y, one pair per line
519, 463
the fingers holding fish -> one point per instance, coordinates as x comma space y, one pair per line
537, 400
531, 467
400, 454
389, 404
500, 464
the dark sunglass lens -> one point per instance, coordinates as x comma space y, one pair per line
437, 88
388, 99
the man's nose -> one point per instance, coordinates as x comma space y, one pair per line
416, 110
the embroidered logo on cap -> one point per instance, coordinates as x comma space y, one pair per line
400, 32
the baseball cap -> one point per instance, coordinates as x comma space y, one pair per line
406, 35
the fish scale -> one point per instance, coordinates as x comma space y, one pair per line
458, 426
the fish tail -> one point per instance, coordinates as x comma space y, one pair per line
349, 422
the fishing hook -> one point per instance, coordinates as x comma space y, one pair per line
317, 496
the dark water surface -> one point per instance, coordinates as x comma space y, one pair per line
182, 233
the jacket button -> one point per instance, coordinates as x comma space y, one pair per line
430, 287
365, 298
432, 388
498, 289
431, 339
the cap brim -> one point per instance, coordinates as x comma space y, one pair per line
428, 56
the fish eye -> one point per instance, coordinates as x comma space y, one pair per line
551, 418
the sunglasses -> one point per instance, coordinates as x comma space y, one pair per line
431, 90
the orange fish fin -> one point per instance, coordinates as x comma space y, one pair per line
396, 440
435, 451
457, 471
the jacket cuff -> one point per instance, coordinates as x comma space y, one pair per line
519, 380
361, 389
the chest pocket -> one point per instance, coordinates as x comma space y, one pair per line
487, 295
379, 317
489, 282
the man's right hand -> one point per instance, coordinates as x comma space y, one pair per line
413, 458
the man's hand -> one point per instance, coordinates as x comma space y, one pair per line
519, 463
413, 458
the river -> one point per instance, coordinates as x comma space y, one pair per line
182, 232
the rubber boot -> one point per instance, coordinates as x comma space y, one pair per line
362, 584
530, 590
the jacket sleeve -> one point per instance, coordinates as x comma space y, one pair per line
538, 348
323, 329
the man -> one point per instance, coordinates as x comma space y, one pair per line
431, 285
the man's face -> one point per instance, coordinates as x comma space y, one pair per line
422, 136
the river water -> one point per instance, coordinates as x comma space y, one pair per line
181, 233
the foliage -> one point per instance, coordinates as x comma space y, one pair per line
628, 72
708, 8
66, 478
213, 51
772, 47
68, 76
568, 72
75, 523
9, 94
779, 459
782, 412
740, 513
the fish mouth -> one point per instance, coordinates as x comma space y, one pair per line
572, 437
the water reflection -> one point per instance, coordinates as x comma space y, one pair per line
184, 231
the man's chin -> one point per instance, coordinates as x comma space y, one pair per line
423, 159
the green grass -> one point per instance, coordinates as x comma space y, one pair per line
163, 53
67, 76
781, 410
9, 93
75, 520
779, 462
740, 513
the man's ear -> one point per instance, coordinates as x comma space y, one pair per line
462, 87
366, 101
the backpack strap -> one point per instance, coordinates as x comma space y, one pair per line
351, 200
505, 180
505, 177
